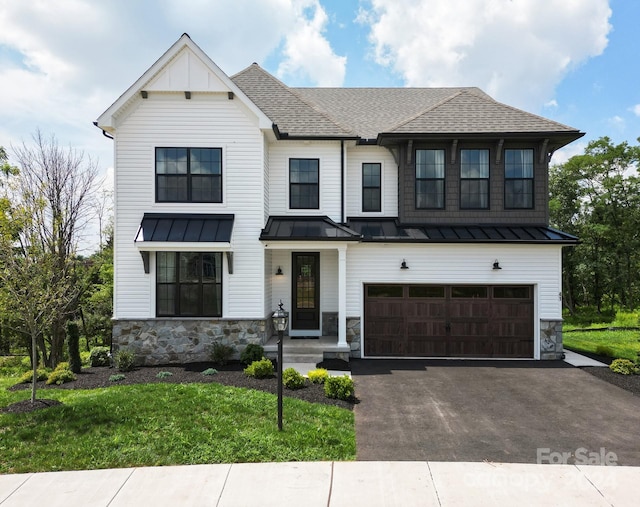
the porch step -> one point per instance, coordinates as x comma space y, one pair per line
302, 357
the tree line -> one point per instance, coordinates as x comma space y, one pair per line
47, 201
596, 197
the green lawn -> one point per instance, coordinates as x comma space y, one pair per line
167, 424
623, 343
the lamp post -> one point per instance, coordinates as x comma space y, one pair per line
280, 320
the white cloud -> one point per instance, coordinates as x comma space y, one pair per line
552, 104
307, 52
617, 122
636, 109
516, 50
563, 154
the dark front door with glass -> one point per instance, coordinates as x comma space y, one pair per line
306, 291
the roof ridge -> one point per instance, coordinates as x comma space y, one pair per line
298, 96
425, 111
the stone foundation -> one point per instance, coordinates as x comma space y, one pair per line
551, 339
178, 341
329, 323
353, 335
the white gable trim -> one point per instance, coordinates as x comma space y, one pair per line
154, 75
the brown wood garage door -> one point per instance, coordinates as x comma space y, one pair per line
448, 320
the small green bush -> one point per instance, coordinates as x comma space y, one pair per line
625, 319
117, 377
85, 358
292, 379
252, 352
624, 367
164, 374
210, 371
124, 360
26, 362
341, 388
63, 365
604, 350
221, 353
99, 356
260, 369
318, 376
61, 375
27, 376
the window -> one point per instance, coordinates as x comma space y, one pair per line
189, 284
510, 292
304, 188
518, 179
384, 291
426, 291
468, 292
188, 174
371, 187
474, 179
429, 179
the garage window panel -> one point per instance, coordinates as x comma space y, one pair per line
426, 291
385, 291
469, 292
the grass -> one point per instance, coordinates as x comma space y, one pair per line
624, 344
167, 424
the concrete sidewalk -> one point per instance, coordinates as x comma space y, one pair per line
351, 484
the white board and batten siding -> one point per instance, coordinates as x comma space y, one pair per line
358, 155
328, 153
464, 264
206, 120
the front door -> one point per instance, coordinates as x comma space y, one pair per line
306, 291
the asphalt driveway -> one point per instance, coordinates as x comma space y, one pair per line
502, 411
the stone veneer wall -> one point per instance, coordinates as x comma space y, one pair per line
551, 339
353, 335
330, 323
177, 341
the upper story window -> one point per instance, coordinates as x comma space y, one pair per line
474, 179
371, 187
430, 179
188, 174
518, 179
304, 186
189, 284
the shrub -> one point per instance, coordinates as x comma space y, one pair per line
11, 366
624, 367
210, 371
99, 356
292, 379
73, 344
61, 375
27, 376
25, 362
252, 352
85, 358
625, 319
604, 350
164, 374
221, 353
318, 376
341, 388
124, 360
260, 369
117, 377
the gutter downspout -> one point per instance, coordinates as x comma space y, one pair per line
342, 181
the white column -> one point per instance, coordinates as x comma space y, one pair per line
342, 295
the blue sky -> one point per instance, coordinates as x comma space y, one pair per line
63, 62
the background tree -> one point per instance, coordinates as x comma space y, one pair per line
596, 196
57, 186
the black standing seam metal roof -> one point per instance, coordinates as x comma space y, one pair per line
306, 228
390, 230
180, 227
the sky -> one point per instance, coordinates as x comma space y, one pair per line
63, 62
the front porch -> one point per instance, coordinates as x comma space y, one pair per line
307, 350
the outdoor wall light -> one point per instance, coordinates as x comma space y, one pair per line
279, 271
404, 265
496, 264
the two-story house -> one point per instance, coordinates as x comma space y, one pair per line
400, 221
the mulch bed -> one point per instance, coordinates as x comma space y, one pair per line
628, 382
229, 375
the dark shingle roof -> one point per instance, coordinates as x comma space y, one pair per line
367, 113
